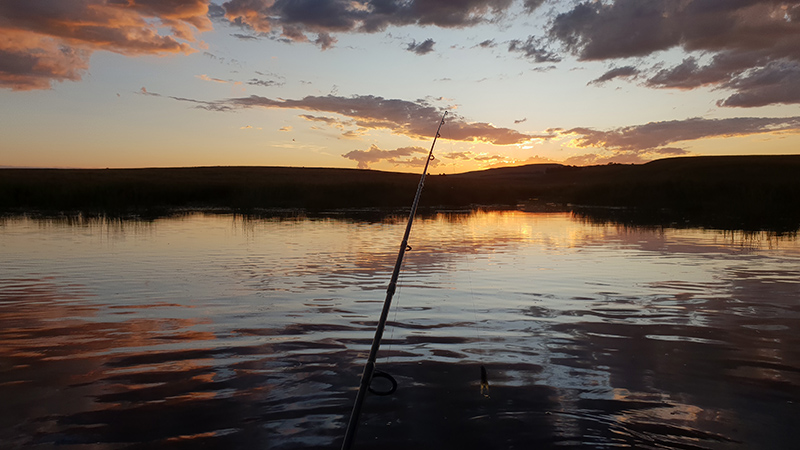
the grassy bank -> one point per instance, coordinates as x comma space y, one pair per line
744, 192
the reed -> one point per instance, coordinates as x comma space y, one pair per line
748, 191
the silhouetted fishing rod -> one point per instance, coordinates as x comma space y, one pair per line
369, 367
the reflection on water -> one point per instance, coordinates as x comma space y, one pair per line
225, 332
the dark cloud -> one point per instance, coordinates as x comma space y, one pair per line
489, 43
264, 83
754, 44
654, 136
325, 41
414, 119
776, 82
518, 121
215, 11
618, 72
422, 48
533, 48
544, 68
295, 19
531, 5
397, 157
47, 40
245, 37
621, 28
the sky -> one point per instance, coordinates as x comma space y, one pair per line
364, 83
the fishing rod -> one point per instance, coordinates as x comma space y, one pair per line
369, 368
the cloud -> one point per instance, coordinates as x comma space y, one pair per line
296, 19
489, 158
754, 45
205, 77
355, 134
533, 48
45, 40
518, 121
398, 156
423, 48
208, 106
776, 82
652, 137
264, 83
33, 62
245, 37
325, 41
463, 156
330, 121
536, 159
593, 159
531, 5
619, 72
414, 119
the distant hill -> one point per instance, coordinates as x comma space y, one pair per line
749, 190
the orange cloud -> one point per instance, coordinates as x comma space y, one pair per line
399, 156
41, 42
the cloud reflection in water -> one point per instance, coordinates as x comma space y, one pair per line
231, 333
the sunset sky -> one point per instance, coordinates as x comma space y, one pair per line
363, 83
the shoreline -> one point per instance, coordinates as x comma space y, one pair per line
742, 192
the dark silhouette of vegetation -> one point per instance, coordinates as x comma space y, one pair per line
742, 192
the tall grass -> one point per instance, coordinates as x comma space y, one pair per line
746, 192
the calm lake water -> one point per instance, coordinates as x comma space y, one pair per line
218, 331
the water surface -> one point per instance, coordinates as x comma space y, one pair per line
220, 331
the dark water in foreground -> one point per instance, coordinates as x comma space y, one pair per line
219, 332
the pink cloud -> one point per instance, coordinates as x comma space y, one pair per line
49, 40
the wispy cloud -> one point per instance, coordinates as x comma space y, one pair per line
413, 119
205, 77
208, 106
534, 48
655, 137
417, 120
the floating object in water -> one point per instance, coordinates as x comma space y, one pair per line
484, 382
